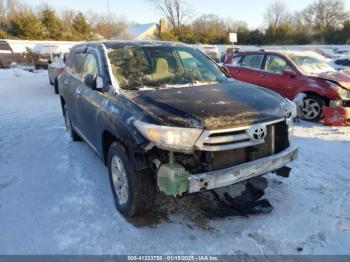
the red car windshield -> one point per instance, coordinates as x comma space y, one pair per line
310, 65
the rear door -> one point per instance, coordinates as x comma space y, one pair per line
251, 68
273, 77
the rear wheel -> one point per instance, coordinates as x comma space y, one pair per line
75, 137
312, 108
133, 192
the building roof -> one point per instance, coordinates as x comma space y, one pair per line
136, 31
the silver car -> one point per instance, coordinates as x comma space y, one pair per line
55, 68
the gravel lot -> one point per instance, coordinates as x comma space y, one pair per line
55, 196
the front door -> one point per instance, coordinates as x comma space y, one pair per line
273, 77
89, 101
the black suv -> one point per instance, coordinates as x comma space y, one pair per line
162, 114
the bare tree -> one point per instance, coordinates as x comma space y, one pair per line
7, 7
325, 14
209, 22
236, 25
176, 12
109, 26
276, 15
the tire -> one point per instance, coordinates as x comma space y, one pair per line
56, 87
37, 67
134, 192
75, 137
312, 108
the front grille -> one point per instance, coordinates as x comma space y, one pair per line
275, 142
217, 150
228, 139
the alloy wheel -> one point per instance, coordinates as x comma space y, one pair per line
120, 181
311, 109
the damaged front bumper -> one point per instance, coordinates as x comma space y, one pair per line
336, 116
240, 173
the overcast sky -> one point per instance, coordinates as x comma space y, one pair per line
141, 11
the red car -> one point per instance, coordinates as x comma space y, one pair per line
292, 73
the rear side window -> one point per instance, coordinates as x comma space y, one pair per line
77, 64
276, 64
253, 61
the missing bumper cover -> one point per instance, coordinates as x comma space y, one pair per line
239, 173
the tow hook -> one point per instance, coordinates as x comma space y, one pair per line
283, 172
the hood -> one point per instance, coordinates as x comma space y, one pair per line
219, 106
342, 78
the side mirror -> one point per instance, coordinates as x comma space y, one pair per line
94, 82
289, 73
99, 83
225, 70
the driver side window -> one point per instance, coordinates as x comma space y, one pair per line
91, 67
276, 64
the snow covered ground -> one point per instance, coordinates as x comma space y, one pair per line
55, 196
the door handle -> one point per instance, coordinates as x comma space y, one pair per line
263, 76
238, 71
78, 92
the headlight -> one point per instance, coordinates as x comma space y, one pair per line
170, 138
290, 108
291, 113
342, 92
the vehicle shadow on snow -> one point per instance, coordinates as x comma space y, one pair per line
190, 210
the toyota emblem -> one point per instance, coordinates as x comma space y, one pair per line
257, 133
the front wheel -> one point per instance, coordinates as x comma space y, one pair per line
312, 108
133, 192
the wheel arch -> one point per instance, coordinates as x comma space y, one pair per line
326, 99
108, 138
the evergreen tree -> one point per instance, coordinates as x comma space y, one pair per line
51, 23
26, 25
81, 27
3, 34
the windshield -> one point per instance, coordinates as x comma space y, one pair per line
162, 66
311, 65
4, 46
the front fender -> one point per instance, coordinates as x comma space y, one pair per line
117, 119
